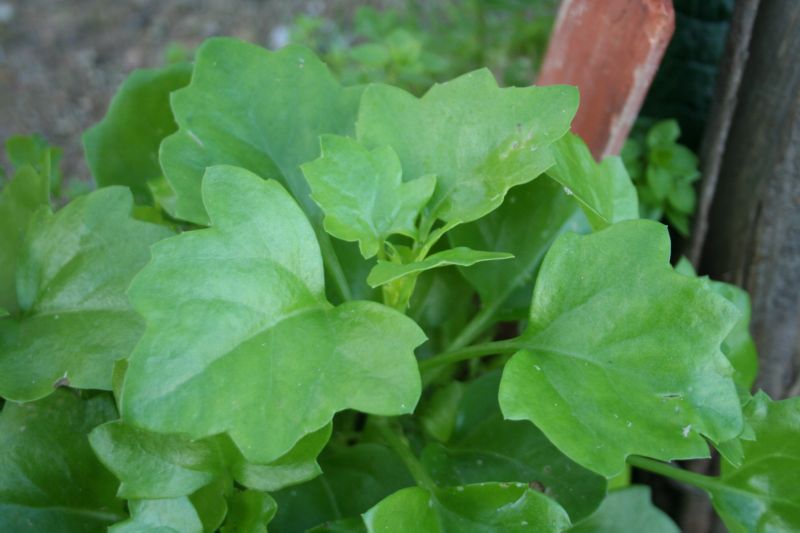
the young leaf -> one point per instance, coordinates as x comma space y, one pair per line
362, 193
49, 478
122, 149
268, 122
232, 326
628, 509
762, 493
610, 313
385, 271
71, 279
353, 480
604, 191
172, 515
472, 508
20, 198
155, 465
479, 140
34, 151
250, 512
484, 447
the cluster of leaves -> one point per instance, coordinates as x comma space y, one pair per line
426, 43
664, 172
270, 339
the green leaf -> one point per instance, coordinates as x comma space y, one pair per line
354, 479
484, 447
297, 466
610, 313
485, 507
122, 149
626, 511
172, 515
527, 223
34, 151
49, 478
362, 193
250, 512
604, 191
479, 140
74, 268
762, 493
253, 300
268, 122
385, 271
663, 132
154, 465
20, 198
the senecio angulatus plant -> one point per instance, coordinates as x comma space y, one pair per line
297, 306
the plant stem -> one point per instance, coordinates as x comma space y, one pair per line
397, 442
470, 352
476, 326
676, 473
331, 261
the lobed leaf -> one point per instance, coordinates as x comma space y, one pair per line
624, 510
247, 331
477, 139
643, 342
171, 515
71, 278
362, 193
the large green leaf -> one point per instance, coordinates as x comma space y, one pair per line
527, 223
49, 478
627, 511
20, 198
354, 479
762, 493
268, 121
362, 193
386, 271
603, 190
74, 268
170, 515
484, 447
479, 140
610, 313
481, 508
122, 149
247, 333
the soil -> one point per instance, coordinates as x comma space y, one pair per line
62, 60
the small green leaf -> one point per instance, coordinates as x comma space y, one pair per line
362, 193
353, 480
49, 478
385, 271
122, 149
231, 328
663, 132
762, 493
604, 191
34, 151
250, 512
71, 279
465, 509
610, 313
484, 447
172, 515
154, 465
627, 510
477, 139
21, 197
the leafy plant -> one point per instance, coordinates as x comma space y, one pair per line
379, 313
663, 171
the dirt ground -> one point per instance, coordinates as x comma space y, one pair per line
61, 60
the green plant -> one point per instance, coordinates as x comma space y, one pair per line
297, 358
663, 171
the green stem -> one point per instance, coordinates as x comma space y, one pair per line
397, 442
678, 474
482, 320
331, 261
470, 352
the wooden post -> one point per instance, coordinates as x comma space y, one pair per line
611, 51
